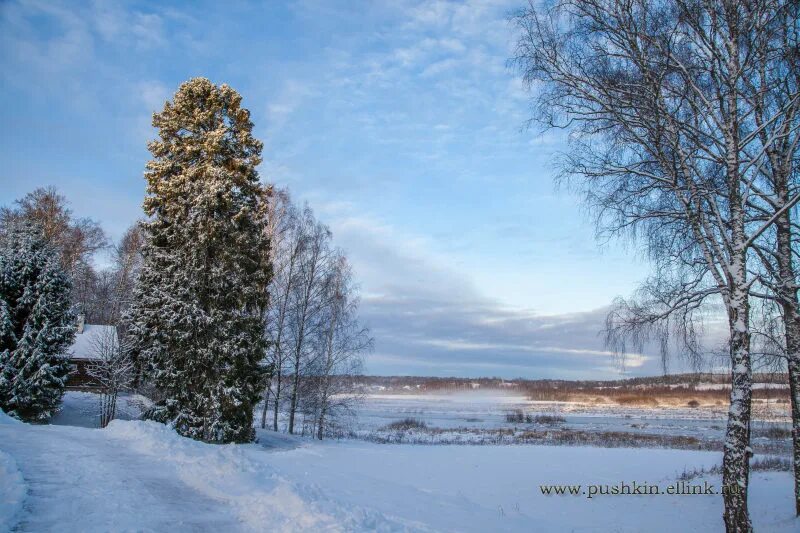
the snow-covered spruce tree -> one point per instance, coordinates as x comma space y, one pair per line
195, 319
75, 240
36, 325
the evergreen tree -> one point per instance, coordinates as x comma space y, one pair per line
196, 318
36, 325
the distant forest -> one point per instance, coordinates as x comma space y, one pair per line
701, 387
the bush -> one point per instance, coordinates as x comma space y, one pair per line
516, 417
634, 399
771, 464
407, 424
688, 475
774, 432
549, 419
762, 464
693, 403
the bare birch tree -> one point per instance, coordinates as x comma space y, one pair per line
126, 264
315, 341
307, 300
667, 150
774, 93
342, 345
112, 368
75, 239
286, 247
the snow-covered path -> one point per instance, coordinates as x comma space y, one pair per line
141, 476
74, 477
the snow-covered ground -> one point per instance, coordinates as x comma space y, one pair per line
12, 484
83, 409
469, 414
141, 476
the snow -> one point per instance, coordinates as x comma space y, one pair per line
496, 488
475, 411
142, 476
12, 490
82, 409
84, 346
6, 420
240, 478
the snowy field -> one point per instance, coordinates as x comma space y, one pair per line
141, 476
476, 413
482, 418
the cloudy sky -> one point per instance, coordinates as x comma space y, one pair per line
399, 122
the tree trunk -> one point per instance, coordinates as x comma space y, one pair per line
794, 390
108, 407
266, 406
787, 292
736, 458
298, 354
278, 355
279, 378
323, 408
328, 369
112, 413
298, 349
321, 426
295, 386
791, 319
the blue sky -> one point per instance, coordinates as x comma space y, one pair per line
399, 122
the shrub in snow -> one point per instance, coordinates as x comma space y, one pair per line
549, 420
407, 424
197, 315
518, 416
515, 417
36, 325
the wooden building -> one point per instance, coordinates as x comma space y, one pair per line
85, 350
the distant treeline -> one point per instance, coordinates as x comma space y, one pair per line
703, 387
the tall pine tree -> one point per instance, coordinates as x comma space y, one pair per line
196, 316
36, 325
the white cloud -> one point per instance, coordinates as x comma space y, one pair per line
152, 94
424, 310
291, 96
